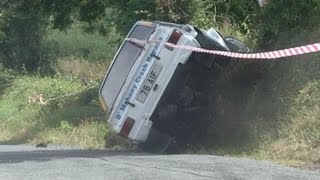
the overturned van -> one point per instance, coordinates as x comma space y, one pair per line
147, 84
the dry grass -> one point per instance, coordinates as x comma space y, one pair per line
267, 110
87, 71
70, 116
88, 134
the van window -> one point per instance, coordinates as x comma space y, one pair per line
123, 63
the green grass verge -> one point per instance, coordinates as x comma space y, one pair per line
268, 110
68, 112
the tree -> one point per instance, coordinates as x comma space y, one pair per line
23, 25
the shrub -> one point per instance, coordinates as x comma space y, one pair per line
286, 16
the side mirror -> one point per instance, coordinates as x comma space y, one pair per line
236, 45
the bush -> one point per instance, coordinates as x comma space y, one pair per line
207, 13
286, 16
91, 47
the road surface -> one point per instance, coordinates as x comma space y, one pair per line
28, 162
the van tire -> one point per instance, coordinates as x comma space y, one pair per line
157, 142
209, 60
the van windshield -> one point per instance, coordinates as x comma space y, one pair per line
123, 63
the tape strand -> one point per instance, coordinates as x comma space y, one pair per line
295, 51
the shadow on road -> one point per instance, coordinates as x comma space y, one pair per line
43, 155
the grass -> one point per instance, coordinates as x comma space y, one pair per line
268, 110
68, 112
92, 47
69, 109
79, 68
295, 85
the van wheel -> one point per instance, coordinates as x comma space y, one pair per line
157, 142
208, 60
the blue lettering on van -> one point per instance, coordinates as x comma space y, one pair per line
137, 80
128, 98
144, 68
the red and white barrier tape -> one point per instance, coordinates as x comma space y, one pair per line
311, 48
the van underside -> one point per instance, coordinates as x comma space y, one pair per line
184, 102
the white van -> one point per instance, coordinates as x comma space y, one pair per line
142, 77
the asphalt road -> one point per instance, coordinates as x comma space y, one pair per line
28, 162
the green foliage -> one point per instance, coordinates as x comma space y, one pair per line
65, 126
286, 16
23, 25
123, 13
92, 47
174, 11
21, 35
208, 13
246, 16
